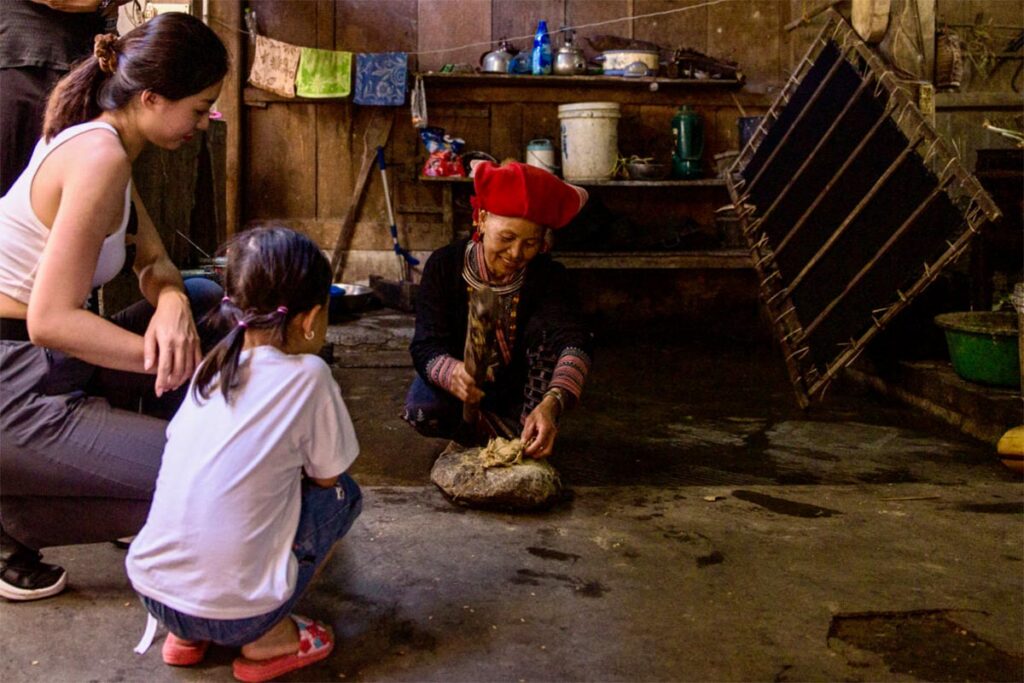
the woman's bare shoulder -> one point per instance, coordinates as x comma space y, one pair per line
96, 154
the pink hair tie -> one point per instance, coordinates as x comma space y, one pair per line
226, 299
283, 310
244, 325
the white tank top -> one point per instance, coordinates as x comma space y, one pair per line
23, 235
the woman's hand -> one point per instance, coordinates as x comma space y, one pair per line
463, 386
171, 342
540, 429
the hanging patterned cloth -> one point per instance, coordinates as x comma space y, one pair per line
324, 73
381, 78
275, 66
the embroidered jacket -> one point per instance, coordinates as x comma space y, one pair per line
547, 314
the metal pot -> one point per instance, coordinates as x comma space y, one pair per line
496, 62
615, 62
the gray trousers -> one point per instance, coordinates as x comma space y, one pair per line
78, 460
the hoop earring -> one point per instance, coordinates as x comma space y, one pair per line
309, 335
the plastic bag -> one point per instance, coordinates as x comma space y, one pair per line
418, 104
443, 160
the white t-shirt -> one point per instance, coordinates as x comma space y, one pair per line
218, 540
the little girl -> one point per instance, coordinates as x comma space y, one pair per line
251, 495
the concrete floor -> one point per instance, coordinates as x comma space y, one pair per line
715, 532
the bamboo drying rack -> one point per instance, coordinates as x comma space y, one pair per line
811, 379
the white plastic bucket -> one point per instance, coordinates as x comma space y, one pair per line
590, 139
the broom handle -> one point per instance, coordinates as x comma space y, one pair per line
402, 259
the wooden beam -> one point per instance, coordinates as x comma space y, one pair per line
800, 117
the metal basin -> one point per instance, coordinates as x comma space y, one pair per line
348, 300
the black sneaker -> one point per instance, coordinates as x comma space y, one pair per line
24, 576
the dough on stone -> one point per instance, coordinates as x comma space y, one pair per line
527, 485
501, 452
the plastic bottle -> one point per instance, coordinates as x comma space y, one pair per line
541, 58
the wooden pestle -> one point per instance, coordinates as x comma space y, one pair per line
483, 312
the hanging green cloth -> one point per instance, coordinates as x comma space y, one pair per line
324, 73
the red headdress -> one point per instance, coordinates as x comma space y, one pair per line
519, 190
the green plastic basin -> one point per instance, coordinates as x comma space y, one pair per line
983, 346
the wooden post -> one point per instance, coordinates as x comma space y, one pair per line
378, 130
226, 21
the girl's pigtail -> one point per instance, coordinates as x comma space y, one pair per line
223, 358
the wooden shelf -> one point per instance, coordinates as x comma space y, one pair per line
719, 259
596, 81
701, 182
258, 97
976, 100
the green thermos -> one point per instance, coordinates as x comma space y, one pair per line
687, 143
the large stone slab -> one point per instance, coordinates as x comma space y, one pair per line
528, 485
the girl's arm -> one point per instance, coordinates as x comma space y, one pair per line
324, 483
171, 341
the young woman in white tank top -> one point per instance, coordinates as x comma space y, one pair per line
64, 227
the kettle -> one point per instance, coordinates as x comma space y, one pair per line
569, 59
497, 61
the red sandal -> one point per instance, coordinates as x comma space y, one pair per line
315, 642
178, 652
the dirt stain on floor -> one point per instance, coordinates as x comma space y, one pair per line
927, 645
714, 557
993, 508
783, 506
583, 588
549, 554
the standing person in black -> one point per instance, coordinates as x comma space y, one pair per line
40, 40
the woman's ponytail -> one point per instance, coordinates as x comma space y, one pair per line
174, 55
74, 100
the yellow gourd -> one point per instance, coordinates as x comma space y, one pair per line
1011, 449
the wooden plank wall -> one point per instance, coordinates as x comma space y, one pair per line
298, 158
982, 97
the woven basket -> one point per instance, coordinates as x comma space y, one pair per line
949, 60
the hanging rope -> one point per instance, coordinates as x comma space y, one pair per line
576, 27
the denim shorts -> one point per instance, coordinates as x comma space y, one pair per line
327, 514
